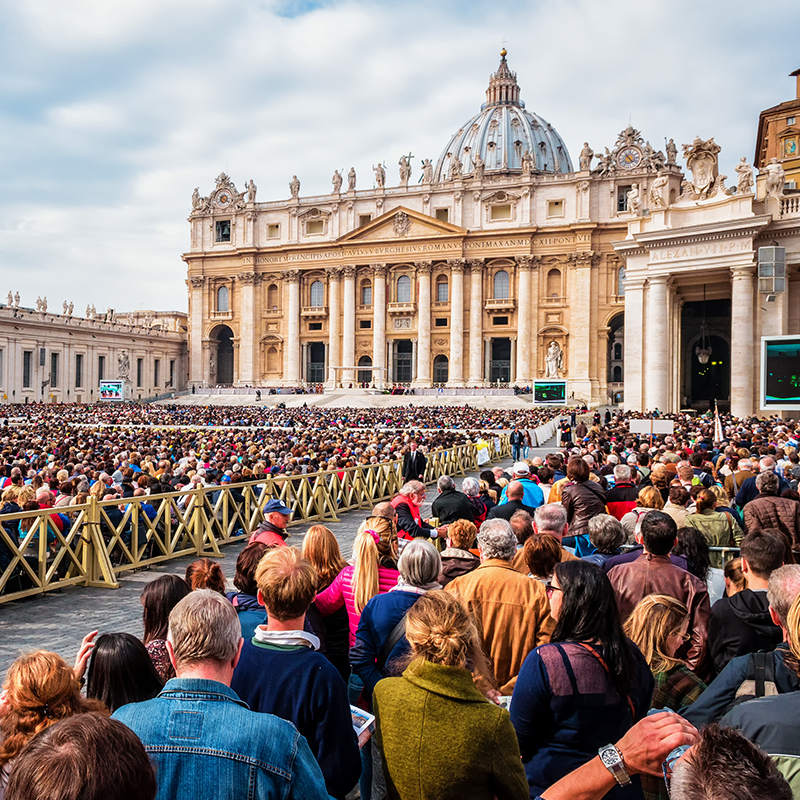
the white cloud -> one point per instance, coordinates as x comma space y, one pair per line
113, 113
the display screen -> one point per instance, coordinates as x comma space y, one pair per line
549, 392
782, 373
112, 390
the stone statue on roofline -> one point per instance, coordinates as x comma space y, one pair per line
745, 172
405, 170
337, 182
294, 187
427, 171
585, 157
776, 179
351, 180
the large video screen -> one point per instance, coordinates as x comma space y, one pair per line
550, 392
781, 373
112, 390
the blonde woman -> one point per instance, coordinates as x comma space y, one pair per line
435, 708
719, 528
649, 499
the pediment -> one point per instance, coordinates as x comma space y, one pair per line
402, 223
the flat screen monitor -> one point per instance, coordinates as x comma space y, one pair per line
550, 392
780, 373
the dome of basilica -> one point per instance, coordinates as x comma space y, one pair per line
503, 136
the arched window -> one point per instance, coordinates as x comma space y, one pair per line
617, 352
223, 299
621, 282
317, 294
404, 289
440, 369
617, 375
501, 285
366, 294
273, 365
554, 283
442, 290
364, 375
272, 297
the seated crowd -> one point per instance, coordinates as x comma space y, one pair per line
547, 632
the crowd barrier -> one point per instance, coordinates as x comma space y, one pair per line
93, 543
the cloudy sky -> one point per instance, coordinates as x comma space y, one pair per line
112, 112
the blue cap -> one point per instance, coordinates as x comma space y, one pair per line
276, 505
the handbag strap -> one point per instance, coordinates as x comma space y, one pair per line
608, 672
398, 632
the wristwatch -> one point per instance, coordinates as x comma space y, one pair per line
613, 762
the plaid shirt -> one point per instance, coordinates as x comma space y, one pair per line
675, 688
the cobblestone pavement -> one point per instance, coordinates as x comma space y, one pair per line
59, 620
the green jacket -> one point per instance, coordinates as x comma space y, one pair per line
441, 739
719, 528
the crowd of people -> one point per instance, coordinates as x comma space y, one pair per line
619, 618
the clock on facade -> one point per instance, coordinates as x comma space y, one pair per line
629, 157
223, 199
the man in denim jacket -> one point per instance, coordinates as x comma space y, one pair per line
202, 739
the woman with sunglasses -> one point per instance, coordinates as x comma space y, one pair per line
585, 688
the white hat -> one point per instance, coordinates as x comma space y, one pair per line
521, 468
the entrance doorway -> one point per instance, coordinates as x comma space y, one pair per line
616, 356
403, 356
224, 356
441, 369
500, 361
704, 384
364, 375
315, 362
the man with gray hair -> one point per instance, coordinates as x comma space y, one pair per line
198, 726
622, 497
511, 611
451, 505
748, 491
769, 511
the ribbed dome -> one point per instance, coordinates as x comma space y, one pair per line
502, 133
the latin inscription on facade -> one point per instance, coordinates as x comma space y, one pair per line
700, 250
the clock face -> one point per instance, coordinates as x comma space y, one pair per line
629, 157
224, 199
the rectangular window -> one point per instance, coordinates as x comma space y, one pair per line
101, 368
78, 370
366, 295
622, 198
27, 369
223, 230
172, 373
442, 294
315, 326
156, 371
274, 231
315, 226
555, 208
499, 320
364, 324
443, 214
42, 356
54, 369
139, 372
364, 219
790, 120
501, 212
440, 322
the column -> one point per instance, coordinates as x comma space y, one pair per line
456, 371
487, 361
334, 326
304, 362
512, 367
349, 324
476, 323
196, 333
423, 350
581, 327
658, 344
743, 364
379, 324
524, 312
633, 378
292, 277
248, 281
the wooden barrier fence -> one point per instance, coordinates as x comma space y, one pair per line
91, 544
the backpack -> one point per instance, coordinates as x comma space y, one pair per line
759, 680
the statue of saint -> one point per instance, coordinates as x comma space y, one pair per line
527, 163
212, 369
196, 202
10, 300
123, 364
554, 360
38, 303
380, 175
351, 180
634, 200
44, 304
405, 170
456, 168
294, 187
64, 308
16, 299
251, 191
337, 182
586, 156
745, 171
427, 171
672, 152
776, 178
658, 191
71, 308
479, 165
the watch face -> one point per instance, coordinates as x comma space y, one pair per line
609, 756
629, 157
224, 199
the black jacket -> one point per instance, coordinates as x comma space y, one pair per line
414, 464
451, 505
507, 510
740, 625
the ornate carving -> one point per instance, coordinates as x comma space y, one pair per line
314, 213
424, 267
476, 196
440, 342
776, 178
252, 216
378, 269
349, 271
335, 272
379, 203
500, 198
249, 278
402, 322
402, 223
292, 276
634, 200
659, 191
702, 159
745, 173
630, 152
583, 186
196, 281
476, 263
582, 259
457, 265
524, 262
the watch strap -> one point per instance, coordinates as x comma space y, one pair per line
613, 761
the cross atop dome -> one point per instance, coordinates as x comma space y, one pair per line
503, 89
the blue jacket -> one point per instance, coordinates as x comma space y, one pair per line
205, 742
301, 686
533, 497
378, 620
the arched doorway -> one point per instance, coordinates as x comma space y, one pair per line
403, 356
616, 355
711, 381
441, 369
500, 363
224, 339
364, 375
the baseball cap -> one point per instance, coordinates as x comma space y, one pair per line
276, 505
521, 468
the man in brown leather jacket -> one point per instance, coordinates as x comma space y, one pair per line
654, 573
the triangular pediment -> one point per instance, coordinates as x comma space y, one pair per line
402, 223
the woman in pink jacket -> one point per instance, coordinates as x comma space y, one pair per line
373, 571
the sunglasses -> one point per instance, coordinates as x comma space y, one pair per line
669, 764
550, 588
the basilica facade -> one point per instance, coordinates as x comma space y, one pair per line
466, 275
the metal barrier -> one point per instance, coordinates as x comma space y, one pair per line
105, 538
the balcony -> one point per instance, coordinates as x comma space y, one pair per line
314, 312
555, 300
501, 304
409, 307
220, 316
441, 305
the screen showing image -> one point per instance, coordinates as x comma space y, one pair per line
782, 373
549, 392
112, 390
